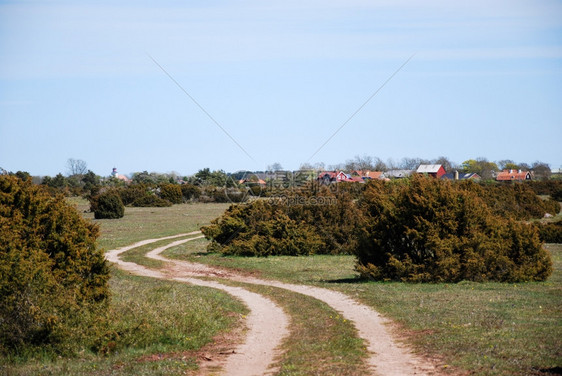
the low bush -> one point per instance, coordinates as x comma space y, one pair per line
260, 229
557, 194
425, 230
545, 187
151, 200
172, 193
132, 192
256, 190
333, 214
550, 232
551, 206
107, 205
224, 195
53, 279
190, 192
302, 223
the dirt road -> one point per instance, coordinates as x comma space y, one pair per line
268, 324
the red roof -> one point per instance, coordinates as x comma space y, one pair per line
357, 179
367, 174
372, 174
339, 176
507, 175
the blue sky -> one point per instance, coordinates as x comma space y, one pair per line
280, 77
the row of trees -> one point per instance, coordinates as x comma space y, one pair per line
80, 180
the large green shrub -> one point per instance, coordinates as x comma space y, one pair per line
428, 230
107, 205
172, 193
332, 213
132, 192
302, 223
260, 229
53, 280
190, 192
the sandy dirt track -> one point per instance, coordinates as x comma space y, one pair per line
388, 357
257, 353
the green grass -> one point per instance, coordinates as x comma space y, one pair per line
147, 316
137, 255
143, 223
484, 328
320, 342
307, 270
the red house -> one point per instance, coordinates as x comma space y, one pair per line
327, 177
435, 170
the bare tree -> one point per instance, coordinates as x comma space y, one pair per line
391, 164
334, 167
379, 165
541, 170
76, 167
275, 167
360, 163
447, 164
507, 164
412, 163
319, 166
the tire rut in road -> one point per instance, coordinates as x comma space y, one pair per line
388, 357
267, 323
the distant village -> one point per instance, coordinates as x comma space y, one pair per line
275, 176
283, 177
436, 171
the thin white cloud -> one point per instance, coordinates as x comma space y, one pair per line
69, 39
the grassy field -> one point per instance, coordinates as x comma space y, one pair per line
143, 223
482, 328
478, 328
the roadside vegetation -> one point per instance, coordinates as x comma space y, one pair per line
418, 229
149, 327
488, 328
